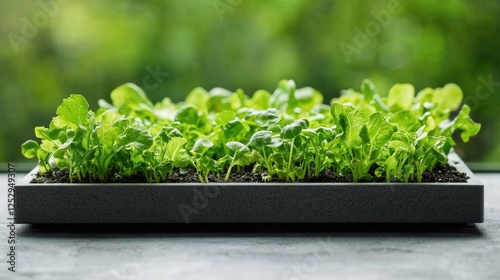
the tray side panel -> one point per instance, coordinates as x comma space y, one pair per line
315, 203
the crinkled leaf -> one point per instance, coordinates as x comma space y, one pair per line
129, 95
187, 114
168, 132
448, 98
198, 98
364, 135
259, 100
175, 152
464, 124
425, 96
74, 109
405, 120
30, 148
379, 130
351, 122
107, 134
109, 117
140, 138
440, 155
400, 96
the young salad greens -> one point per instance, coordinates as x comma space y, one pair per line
286, 135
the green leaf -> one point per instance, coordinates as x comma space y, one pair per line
268, 117
236, 100
368, 89
260, 139
129, 96
219, 99
208, 163
426, 95
187, 114
30, 149
238, 148
234, 129
201, 146
74, 110
278, 158
138, 137
61, 150
259, 100
167, 133
198, 98
448, 98
275, 142
106, 134
351, 122
294, 129
308, 97
326, 133
283, 97
44, 133
175, 152
224, 117
374, 155
109, 117
380, 130
440, 155
401, 96
365, 136
464, 124
405, 120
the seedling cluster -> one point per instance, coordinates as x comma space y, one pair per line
285, 135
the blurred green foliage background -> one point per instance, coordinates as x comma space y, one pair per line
50, 49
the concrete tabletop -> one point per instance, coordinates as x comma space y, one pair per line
256, 251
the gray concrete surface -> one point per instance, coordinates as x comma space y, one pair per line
256, 251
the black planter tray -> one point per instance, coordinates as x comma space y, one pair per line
252, 203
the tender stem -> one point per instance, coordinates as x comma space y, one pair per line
229, 170
290, 157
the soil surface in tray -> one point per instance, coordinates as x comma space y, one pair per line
440, 174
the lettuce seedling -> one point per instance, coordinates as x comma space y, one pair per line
240, 155
289, 134
202, 162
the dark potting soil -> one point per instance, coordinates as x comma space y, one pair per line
440, 174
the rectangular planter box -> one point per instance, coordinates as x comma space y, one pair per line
252, 203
